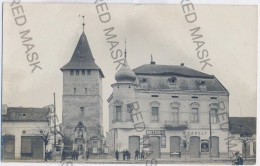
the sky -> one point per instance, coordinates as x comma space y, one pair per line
229, 33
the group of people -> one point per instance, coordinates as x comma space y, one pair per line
127, 154
75, 155
139, 155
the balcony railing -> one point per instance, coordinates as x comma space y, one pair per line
180, 125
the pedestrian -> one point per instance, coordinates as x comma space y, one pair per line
239, 159
77, 155
73, 155
117, 155
142, 155
87, 154
124, 153
63, 154
136, 154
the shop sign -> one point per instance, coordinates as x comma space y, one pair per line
194, 132
155, 132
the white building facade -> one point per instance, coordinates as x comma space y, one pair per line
168, 111
21, 133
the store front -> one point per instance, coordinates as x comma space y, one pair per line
32, 147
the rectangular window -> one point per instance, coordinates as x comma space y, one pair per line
194, 97
71, 72
129, 113
86, 90
89, 72
214, 115
83, 72
26, 145
118, 113
75, 90
155, 115
213, 98
194, 115
175, 96
175, 114
82, 111
77, 72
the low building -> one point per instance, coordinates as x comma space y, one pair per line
168, 111
22, 130
242, 136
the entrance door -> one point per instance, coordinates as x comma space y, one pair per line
8, 148
175, 144
155, 147
194, 147
134, 143
215, 146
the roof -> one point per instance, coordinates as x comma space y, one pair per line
154, 69
157, 77
82, 57
242, 125
26, 114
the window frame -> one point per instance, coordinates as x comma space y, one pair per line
194, 106
155, 104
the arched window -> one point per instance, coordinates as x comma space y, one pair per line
155, 111
175, 107
194, 112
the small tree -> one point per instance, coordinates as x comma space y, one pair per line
244, 141
45, 135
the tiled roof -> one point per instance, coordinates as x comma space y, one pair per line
242, 125
154, 69
157, 78
82, 57
26, 114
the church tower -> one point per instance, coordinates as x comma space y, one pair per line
82, 104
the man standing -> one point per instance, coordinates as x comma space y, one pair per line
87, 154
238, 160
136, 154
142, 155
124, 154
117, 155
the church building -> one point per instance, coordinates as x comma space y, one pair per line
82, 104
168, 111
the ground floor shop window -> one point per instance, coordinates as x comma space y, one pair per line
204, 146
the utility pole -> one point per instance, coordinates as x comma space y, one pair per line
210, 135
54, 121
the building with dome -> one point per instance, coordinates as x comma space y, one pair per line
82, 104
168, 111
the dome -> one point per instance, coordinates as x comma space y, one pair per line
125, 74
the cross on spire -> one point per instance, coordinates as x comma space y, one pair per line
83, 24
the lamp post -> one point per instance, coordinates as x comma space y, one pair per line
210, 135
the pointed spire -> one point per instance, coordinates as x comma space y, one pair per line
125, 48
152, 62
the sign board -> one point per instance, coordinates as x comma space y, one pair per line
95, 150
155, 132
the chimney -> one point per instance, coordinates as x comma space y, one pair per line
4, 109
182, 64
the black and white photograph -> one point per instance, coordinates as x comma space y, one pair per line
110, 82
